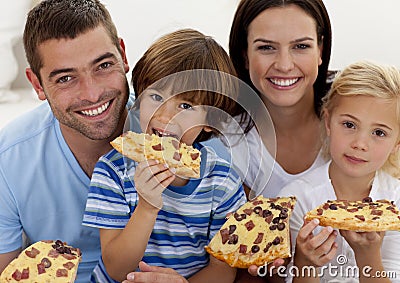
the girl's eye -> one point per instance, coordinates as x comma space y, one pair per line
64, 79
379, 133
349, 125
186, 106
156, 97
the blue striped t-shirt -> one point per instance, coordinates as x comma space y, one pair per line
189, 218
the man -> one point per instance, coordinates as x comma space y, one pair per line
78, 64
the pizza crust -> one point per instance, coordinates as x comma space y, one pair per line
361, 216
256, 243
139, 147
44, 262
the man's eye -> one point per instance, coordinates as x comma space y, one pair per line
104, 65
349, 125
379, 133
64, 79
186, 106
156, 97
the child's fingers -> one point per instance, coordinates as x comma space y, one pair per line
307, 229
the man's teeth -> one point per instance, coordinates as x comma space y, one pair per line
97, 111
282, 82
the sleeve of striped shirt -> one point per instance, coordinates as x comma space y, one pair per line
106, 206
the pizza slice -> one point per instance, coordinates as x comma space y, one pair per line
184, 158
362, 216
257, 233
44, 262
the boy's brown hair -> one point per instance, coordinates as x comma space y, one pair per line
58, 19
194, 66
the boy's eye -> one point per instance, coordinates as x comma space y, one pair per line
379, 133
156, 97
186, 106
349, 125
63, 79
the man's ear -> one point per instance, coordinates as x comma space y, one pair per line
35, 82
123, 54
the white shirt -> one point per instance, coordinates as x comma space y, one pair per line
315, 188
256, 166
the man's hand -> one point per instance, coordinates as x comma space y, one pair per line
154, 274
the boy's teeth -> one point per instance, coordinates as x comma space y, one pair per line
282, 82
97, 111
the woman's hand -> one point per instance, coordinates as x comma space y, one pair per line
363, 243
151, 178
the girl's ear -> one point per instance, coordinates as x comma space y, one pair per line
326, 117
396, 147
207, 129
321, 48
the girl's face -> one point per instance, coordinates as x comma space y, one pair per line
166, 115
283, 56
363, 132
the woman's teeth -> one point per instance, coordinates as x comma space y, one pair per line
282, 82
97, 111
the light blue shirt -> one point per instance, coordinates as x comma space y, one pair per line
43, 189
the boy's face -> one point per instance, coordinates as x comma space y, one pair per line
84, 81
363, 132
166, 115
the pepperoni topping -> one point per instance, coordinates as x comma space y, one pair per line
268, 219
224, 235
194, 156
257, 202
242, 249
248, 211
177, 156
352, 210
69, 265
259, 238
25, 273
232, 229
249, 225
320, 211
32, 253
68, 256
16, 275
361, 217
157, 147
376, 212
61, 272
41, 268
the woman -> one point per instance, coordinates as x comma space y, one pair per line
281, 49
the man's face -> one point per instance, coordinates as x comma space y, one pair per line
84, 81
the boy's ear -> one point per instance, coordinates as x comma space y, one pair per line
207, 129
37, 86
325, 116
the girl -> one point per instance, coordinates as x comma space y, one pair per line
361, 116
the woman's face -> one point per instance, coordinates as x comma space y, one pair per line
283, 56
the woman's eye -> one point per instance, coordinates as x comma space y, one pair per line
302, 46
156, 97
186, 106
265, 47
349, 125
63, 79
379, 133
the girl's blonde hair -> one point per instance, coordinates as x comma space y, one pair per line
368, 79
